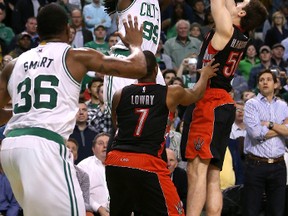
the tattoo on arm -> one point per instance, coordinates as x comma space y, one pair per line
113, 72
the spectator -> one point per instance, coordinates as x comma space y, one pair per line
277, 56
82, 34
168, 12
180, 46
24, 9
250, 60
169, 25
195, 31
164, 61
178, 175
265, 56
82, 133
6, 33
95, 168
112, 40
100, 117
199, 12
72, 36
99, 42
246, 95
31, 29
277, 32
82, 176
188, 70
22, 45
94, 15
94, 102
265, 118
169, 75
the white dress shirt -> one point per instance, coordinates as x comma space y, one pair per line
99, 194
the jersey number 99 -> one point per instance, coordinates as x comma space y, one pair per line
150, 31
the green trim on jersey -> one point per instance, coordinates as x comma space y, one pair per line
122, 52
123, 11
66, 69
69, 181
36, 131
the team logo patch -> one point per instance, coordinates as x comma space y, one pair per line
179, 208
198, 143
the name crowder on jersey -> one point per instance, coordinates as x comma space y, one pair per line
142, 100
44, 62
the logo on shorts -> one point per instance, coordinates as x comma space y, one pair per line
179, 208
198, 143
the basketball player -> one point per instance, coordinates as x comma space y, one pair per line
215, 112
136, 174
44, 85
148, 13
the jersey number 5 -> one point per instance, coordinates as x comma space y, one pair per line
141, 120
39, 93
232, 63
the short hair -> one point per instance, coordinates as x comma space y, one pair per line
110, 6
74, 141
95, 79
169, 71
267, 71
183, 21
256, 14
150, 61
100, 135
176, 78
51, 21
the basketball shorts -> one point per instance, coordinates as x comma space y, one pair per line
141, 182
210, 128
41, 173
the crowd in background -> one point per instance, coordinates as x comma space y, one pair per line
184, 25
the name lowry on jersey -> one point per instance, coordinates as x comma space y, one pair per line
44, 62
142, 100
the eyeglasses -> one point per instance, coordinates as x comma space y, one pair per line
239, 110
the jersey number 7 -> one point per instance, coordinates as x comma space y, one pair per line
143, 114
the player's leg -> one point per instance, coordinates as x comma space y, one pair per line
48, 176
214, 200
159, 195
224, 118
197, 180
120, 188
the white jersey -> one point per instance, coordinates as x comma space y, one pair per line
148, 14
43, 92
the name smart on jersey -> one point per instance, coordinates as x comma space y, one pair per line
149, 10
44, 62
142, 100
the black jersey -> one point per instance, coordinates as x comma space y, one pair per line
228, 58
142, 116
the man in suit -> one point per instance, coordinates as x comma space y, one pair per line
83, 35
178, 175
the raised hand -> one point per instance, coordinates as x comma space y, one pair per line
133, 35
210, 70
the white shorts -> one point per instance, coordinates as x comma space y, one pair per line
42, 176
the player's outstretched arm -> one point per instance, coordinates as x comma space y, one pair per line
184, 96
79, 61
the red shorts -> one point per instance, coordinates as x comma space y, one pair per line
135, 175
204, 122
